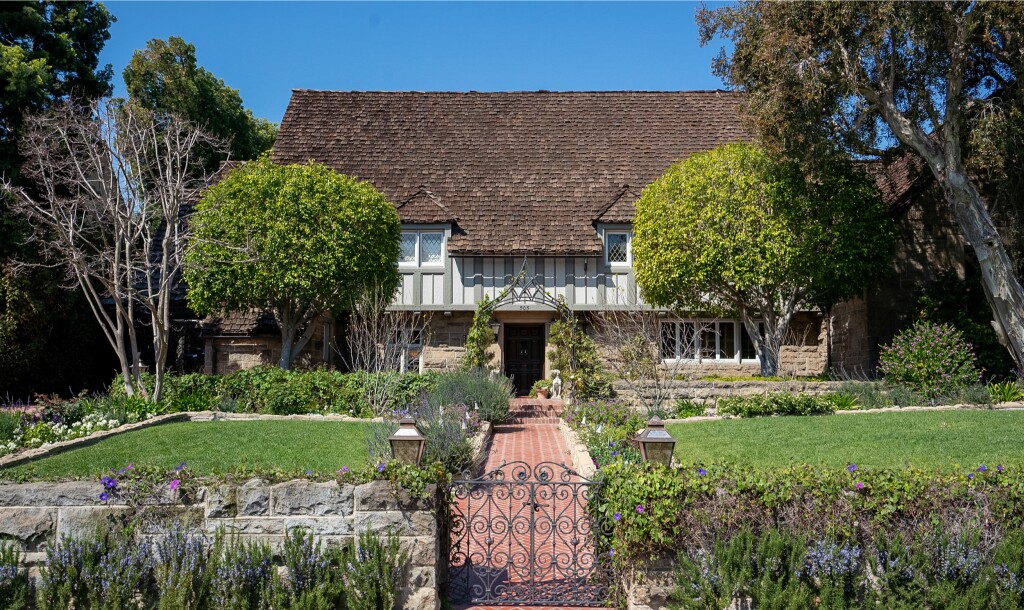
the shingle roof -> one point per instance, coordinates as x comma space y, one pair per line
520, 173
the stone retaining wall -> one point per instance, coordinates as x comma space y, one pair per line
708, 392
35, 514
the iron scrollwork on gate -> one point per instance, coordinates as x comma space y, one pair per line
523, 535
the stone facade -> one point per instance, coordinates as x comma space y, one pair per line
34, 514
928, 243
230, 353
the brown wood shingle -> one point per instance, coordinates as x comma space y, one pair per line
520, 173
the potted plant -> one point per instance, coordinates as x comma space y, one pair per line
541, 389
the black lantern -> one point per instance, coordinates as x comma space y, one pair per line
495, 327
407, 442
656, 444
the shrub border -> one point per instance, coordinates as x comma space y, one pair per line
1003, 406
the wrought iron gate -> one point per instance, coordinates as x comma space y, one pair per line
523, 535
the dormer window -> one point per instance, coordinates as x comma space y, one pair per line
618, 248
421, 249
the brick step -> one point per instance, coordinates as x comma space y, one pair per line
532, 421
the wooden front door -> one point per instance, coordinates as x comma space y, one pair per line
524, 355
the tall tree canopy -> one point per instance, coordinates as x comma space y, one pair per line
301, 240
49, 53
933, 79
165, 77
734, 231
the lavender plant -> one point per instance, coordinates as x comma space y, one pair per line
60, 581
243, 574
314, 577
180, 569
372, 572
116, 567
14, 587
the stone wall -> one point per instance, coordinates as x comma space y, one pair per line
35, 514
229, 354
708, 392
445, 341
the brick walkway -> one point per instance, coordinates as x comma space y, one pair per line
526, 539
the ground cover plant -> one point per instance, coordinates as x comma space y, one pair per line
884, 440
212, 448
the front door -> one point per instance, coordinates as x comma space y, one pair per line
524, 355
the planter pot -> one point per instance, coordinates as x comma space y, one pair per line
545, 394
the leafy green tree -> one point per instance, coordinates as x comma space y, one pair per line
302, 240
49, 52
934, 80
165, 77
733, 231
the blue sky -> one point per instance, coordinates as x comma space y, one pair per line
266, 49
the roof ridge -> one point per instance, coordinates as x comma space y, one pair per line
520, 91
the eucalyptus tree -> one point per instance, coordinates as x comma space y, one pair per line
935, 80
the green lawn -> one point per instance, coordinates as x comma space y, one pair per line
924, 439
217, 447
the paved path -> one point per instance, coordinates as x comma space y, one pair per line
527, 539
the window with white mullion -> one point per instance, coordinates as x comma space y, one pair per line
421, 249
705, 340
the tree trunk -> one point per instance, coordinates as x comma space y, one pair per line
1003, 289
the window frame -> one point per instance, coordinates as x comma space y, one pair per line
629, 248
696, 342
417, 259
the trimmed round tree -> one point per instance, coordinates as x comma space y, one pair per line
300, 240
733, 231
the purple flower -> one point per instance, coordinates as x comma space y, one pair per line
617, 516
104, 497
381, 467
309, 472
701, 471
343, 470
999, 468
109, 482
970, 475
640, 508
982, 468
851, 467
859, 485
179, 467
615, 454
174, 484
611, 553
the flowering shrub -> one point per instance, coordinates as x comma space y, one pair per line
13, 580
607, 429
931, 358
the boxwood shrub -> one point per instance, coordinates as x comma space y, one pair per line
776, 403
